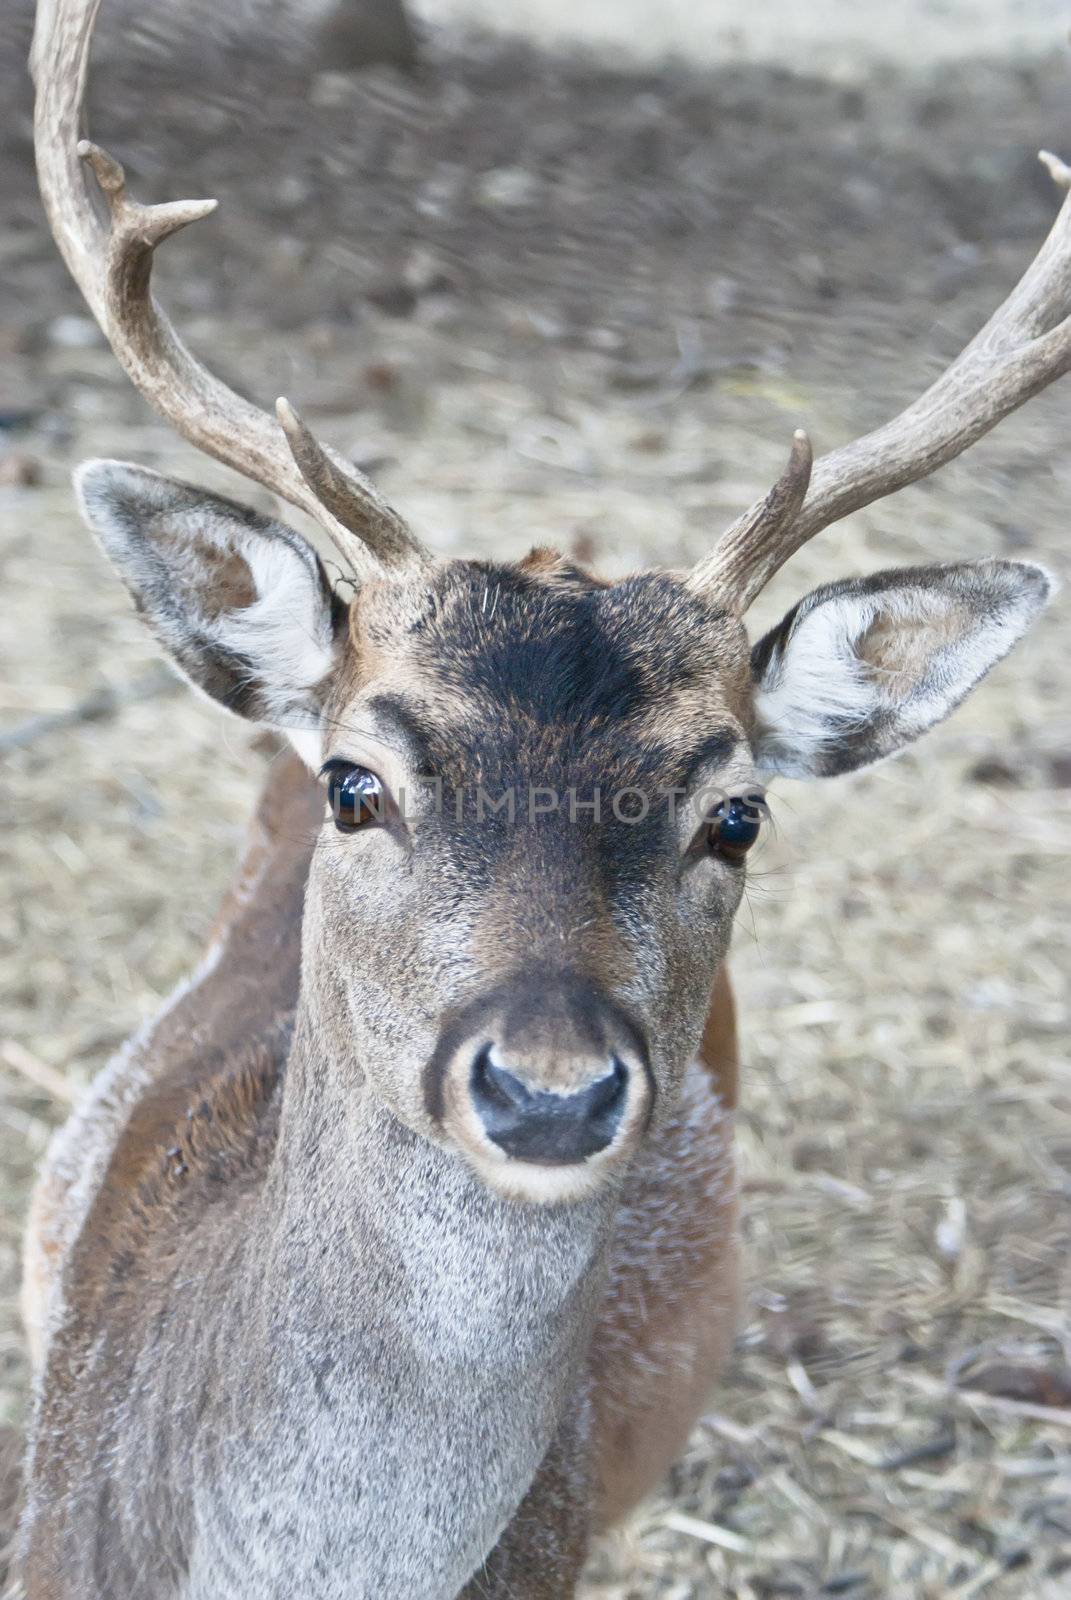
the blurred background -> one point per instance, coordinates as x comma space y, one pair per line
572, 275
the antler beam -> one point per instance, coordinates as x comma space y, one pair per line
112, 266
1024, 346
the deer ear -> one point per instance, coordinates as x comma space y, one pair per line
241, 603
861, 667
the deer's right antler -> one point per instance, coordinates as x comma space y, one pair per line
1025, 345
112, 266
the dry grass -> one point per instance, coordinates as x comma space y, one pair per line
897, 1421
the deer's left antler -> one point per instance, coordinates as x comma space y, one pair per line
1024, 346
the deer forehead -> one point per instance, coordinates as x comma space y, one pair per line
490, 661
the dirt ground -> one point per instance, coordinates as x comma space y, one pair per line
548, 302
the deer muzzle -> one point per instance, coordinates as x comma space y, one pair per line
544, 1084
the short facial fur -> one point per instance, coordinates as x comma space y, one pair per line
340, 1243
534, 690
499, 705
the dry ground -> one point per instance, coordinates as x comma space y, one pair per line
551, 303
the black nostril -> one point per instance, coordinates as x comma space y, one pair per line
609, 1091
497, 1086
536, 1125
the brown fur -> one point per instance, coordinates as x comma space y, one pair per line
550, 565
897, 653
306, 1237
209, 1119
202, 1052
302, 1238
718, 1047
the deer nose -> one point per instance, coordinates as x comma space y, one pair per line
540, 1125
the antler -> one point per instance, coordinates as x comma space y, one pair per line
1024, 346
112, 266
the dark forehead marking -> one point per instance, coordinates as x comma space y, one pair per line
417, 735
564, 654
716, 748
429, 746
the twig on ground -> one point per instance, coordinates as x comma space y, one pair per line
710, 1532
37, 1072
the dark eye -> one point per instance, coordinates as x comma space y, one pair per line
735, 827
354, 794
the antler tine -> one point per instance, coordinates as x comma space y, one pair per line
754, 539
112, 266
350, 500
1024, 346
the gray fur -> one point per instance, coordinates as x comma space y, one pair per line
467, 1338
302, 1345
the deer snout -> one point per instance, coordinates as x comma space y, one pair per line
543, 1124
544, 1084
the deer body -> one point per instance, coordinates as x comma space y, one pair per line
397, 1257
333, 1311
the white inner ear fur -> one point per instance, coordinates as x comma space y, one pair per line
287, 634
203, 575
904, 654
815, 684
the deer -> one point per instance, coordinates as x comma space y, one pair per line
397, 1255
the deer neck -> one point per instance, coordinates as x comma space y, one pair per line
347, 1166
417, 1330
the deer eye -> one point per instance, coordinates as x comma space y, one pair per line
735, 827
354, 794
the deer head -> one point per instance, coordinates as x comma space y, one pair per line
540, 788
